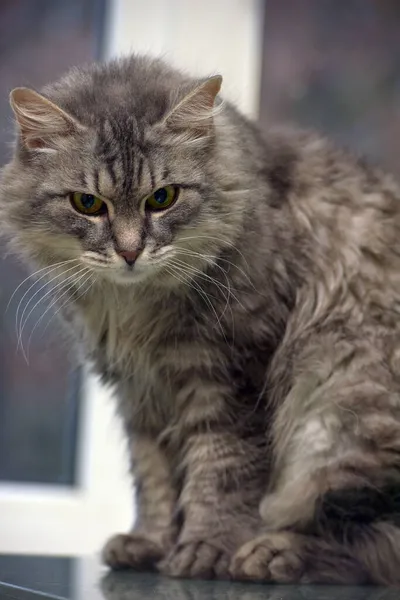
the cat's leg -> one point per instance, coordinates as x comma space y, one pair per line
219, 504
154, 531
332, 512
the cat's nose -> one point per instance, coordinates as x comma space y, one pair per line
129, 256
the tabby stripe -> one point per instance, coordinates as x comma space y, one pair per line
96, 181
151, 171
140, 171
122, 142
110, 169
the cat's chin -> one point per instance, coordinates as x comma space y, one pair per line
125, 277
135, 277
157, 278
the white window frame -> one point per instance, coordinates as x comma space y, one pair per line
64, 520
202, 37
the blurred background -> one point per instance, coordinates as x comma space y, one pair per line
330, 65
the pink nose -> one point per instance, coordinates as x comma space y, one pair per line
130, 257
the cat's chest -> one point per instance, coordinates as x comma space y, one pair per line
126, 341
143, 346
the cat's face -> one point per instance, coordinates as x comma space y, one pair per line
120, 211
128, 196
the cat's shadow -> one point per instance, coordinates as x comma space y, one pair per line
127, 585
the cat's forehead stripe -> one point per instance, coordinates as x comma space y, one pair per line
106, 186
140, 171
151, 171
111, 172
96, 181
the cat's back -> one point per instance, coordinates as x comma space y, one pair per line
339, 199
346, 217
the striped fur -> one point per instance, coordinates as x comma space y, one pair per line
254, 349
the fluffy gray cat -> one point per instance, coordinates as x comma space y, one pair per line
241, 295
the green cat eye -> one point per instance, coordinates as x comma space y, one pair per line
162, 198
88, 204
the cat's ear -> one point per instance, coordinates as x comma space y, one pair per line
41, 122
194, 112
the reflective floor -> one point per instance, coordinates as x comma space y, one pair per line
30, 578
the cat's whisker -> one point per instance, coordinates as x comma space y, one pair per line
223, 241
220, 286
98, 264
187, 276
65, 289
173, 274
196, 285
210, 259
63, 272
47, 270
91, 280
228, 285
205, 296
50, 291
199, 273
20, 320
219, 258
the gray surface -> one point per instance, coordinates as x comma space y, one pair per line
130, 586
48, 575
12, 592
88, 581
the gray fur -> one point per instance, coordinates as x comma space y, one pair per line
254, 349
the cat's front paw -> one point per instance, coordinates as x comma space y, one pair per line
197, 559
274, 557
132, 551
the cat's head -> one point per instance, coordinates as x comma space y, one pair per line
114, 169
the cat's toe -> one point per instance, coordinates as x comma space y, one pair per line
131, 551
197, 560
270, 557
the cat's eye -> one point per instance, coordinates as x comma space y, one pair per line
162, 198
88, 204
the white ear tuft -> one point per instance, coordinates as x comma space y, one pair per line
194, 113
40, 121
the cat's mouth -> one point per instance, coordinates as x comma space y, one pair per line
125, 274
119, 271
